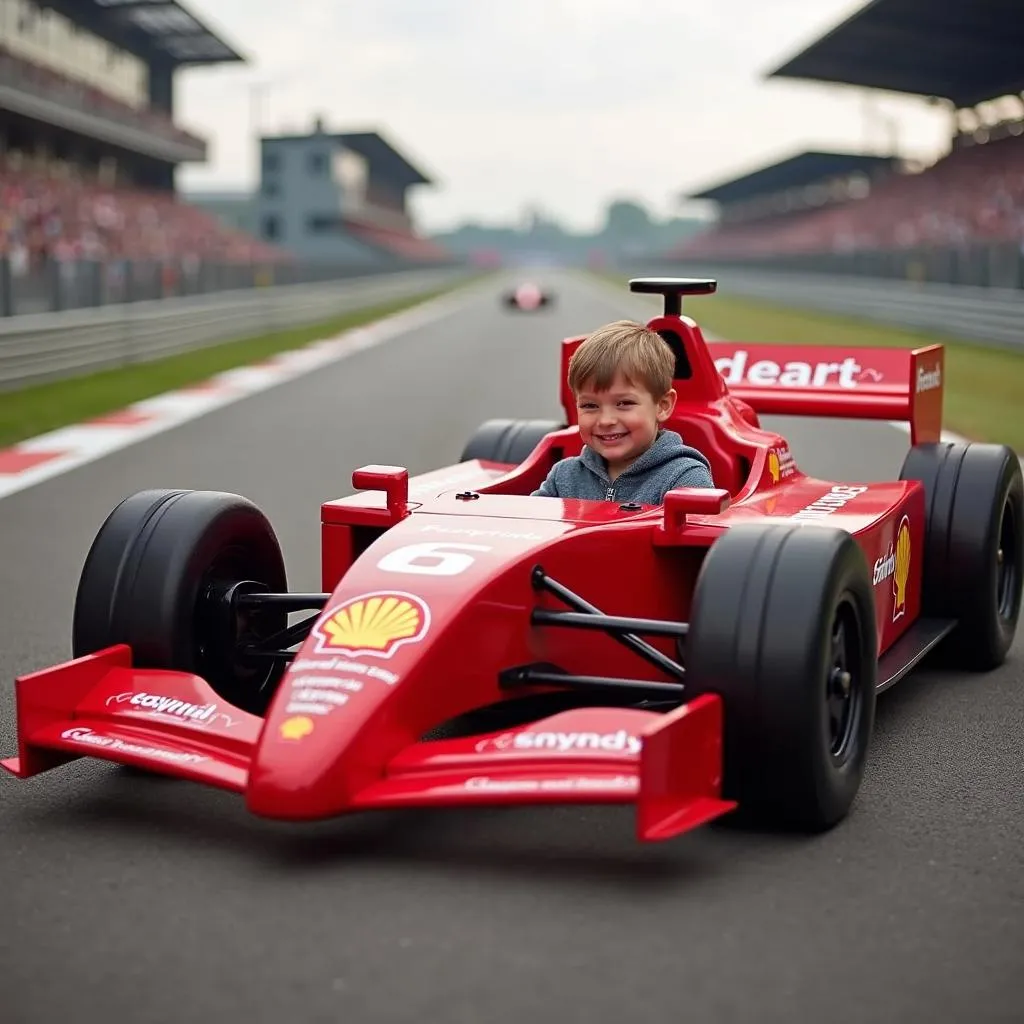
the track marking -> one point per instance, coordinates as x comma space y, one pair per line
41, 458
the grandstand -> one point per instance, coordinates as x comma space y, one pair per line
960, 220
89, 147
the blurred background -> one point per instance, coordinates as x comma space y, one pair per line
177, 145
833, 156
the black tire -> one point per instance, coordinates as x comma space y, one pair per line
509, 441
974, 545
148, 578
765, 609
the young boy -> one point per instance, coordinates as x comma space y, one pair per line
622, 379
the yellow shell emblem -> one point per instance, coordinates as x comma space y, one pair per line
374, 624
773, 466
902, 571
296, 728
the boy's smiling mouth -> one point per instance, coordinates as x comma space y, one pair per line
611, 438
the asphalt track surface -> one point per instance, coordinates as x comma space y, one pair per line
149, 900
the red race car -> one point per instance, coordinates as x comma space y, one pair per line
474, 645
527, 297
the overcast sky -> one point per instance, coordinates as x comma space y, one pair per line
564, 104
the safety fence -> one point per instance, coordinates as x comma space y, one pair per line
54, 285
49, 346
984, 264
982, 315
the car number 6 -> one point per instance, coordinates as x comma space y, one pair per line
428, 559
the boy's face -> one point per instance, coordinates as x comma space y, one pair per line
622, 422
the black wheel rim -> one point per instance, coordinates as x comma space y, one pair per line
843, 682
1008, 581
218, 635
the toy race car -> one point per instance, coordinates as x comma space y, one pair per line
527, 297
475, 645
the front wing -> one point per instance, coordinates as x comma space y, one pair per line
668, 765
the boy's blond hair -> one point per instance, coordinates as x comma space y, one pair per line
641, 354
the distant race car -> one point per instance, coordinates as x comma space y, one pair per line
474, 645
527, 297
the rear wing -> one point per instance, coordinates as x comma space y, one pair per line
837, 382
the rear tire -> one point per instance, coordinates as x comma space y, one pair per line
778, 614
150, 580
974, 545
508, 441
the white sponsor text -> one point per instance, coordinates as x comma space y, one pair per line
884, 567
789, 375
928, 380
567, 785
85, 736
469, 531
171, 707
564, 742
824, 506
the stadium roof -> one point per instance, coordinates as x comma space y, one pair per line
157, 29
794, 172
965, 52
373, 147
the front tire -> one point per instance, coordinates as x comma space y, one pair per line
783, 629
152, 577
508, 441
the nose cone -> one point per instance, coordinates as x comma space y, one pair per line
302, 771
406, 636
323, 740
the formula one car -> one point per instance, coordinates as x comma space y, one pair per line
527, 297
475, 645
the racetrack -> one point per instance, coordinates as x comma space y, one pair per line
151, 900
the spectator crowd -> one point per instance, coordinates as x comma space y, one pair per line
974, 194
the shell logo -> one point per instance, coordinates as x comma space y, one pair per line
376, 624
773, 466
296, 728
901, 572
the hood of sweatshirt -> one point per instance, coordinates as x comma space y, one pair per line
668, 447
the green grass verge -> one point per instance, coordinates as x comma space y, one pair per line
41, 408
984, 388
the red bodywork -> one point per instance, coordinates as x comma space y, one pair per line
431, 598
528, 296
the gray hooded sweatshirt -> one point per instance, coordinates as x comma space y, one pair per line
668, 463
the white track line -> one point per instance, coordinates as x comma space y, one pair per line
41, 458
